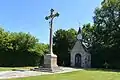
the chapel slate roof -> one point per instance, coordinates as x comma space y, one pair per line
84, 47
81, 42
79, 31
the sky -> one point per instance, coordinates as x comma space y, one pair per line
29, 15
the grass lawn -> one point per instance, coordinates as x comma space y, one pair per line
78, 75
12, 68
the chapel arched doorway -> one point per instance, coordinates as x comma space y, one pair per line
78, 60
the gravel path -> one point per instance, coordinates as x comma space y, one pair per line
18, 74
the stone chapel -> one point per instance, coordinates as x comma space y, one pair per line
79, 55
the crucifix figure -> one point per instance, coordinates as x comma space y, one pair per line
51, 17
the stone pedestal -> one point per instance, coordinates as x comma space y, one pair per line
50, 63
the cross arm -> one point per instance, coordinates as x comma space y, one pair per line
52, 16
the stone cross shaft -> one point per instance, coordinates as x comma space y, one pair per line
51, 17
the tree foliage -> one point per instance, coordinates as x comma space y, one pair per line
105, 38
20, 49
63, 42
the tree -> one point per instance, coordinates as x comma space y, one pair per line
22, 41
4, 40
20, 49
63, 42
107, 21
107, 32
87, 34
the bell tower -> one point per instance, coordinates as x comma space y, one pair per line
79, 35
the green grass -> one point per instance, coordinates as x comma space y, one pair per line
13, 68
78, 75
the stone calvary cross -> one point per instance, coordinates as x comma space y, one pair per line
51, 17
50, 60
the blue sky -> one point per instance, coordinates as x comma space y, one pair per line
28, 15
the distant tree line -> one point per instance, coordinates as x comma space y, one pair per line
20, 49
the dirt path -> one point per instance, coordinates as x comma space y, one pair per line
25, 73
